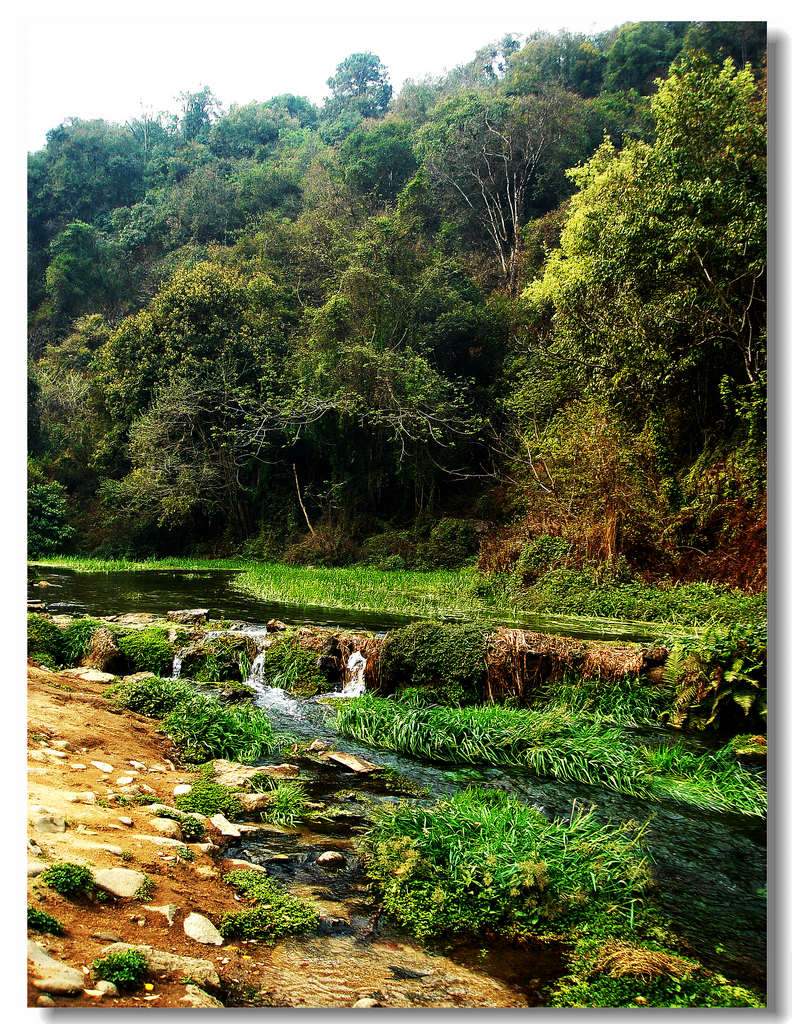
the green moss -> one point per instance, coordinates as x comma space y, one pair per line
192, 830
221, 659
209, 797
446, 658
276, 913
147, 650
40, 921
70, 880
125, 970
294, 668
44, 641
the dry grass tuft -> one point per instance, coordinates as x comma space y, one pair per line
620, 960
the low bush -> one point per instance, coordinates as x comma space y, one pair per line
447, 658
451, 542
125, 970
76, 640
203, 729
192, 830
276, 912
40, 921
209, 797
70, 880
484, 863
147, 650
538, 556
152, 696
44, 641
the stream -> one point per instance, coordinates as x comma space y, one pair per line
709, 867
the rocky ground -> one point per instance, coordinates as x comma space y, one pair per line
86, 760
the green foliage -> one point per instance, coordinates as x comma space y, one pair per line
76, 640
152, 696
293, 668
44, 640
40, 921
443, 657
276, 913
126, 970
451, 542
204, 728
192, 830
288, 804
209, 797
221, 659
539, 555
47, 525
551, 741
483, 863
147, 650
70, 880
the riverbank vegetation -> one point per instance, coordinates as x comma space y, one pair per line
326, 335
554, 742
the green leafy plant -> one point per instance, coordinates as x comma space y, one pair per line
276, 913
154, 697
40, 921
70, 880
147, 650
126, 970
203, 728
44, 640
209, 797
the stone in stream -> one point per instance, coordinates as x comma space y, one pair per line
50, 975
201, 929
188, 616
332, 860
121, 882
355, 764
201, 971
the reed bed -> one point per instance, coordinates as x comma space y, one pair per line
552, 742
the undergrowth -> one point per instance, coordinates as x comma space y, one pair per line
275, 912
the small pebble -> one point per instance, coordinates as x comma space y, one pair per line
77, 767
125, 780
181, 789
126, 821
103, 766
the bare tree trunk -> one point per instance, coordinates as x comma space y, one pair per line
299, 498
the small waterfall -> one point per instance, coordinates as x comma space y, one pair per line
355, 683
257, 677
177, 666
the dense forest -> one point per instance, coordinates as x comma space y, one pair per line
517, 311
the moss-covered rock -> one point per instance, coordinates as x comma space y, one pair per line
294, 668
220, 659
147, 650
45, 640
448, 659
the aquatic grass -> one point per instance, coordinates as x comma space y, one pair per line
86, 564
482, 862
203, 729
619, 700
553, 742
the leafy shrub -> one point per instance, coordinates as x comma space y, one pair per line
446, 658
451, 542
482, 862
192, 830
209, 797
76, 640
70, 880
47, 527
394, 549
294, 668
538, 555
147, 650
44, 640
153, 697
276, 913
203, 728
40, 921
126, 969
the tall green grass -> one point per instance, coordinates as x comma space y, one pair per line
482, 862
85, 564
552, 742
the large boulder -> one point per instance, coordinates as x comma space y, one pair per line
50, 975
221, 659
121, 882
104, 653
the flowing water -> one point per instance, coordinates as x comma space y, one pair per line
709, 868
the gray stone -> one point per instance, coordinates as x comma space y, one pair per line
50, 975
121, 882
182, 789
106, 936
332, 860
107, 987
81, 798
224, 826
47, 821
197, 997
251, 802
103, 766
167, 827
188, 616
200, 928
168, 911
202, 971
45, 1001
35, 867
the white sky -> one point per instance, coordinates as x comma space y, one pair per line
86, 64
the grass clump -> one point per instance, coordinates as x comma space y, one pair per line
209, 797
447, 659
41, 921
70, 880
484, 863
147, 650
276, 912
44, 640
153, 696
203, 728
553, 742
76, 640
288, 800
126, 970
293, 668
623, 700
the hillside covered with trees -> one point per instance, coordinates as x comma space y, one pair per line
515, 312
